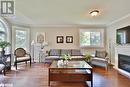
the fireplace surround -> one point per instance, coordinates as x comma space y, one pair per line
124, 62
122, 56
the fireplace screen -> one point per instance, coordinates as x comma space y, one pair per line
124, 62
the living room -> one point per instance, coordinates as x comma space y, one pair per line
59, 29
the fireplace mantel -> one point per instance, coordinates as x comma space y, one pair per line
125, 50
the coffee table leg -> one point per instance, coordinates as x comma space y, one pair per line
49, 83
91, 78
49, 78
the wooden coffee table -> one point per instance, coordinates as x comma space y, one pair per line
75, 71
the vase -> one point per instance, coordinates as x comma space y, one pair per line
65, 62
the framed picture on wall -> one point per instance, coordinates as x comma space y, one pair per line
60, 39
40, 37
69, 39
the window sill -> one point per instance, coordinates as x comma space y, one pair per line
91, 46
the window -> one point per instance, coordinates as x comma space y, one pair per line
92, 38
2, 31
20, 39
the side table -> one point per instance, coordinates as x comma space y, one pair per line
8, 61
42, 56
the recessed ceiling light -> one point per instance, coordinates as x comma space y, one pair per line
94, 13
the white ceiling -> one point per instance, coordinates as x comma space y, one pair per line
68, 12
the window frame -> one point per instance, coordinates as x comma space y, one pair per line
93, 30
5, 29
5, 36
19, 30
27, 29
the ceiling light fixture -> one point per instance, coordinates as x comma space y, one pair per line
94, 13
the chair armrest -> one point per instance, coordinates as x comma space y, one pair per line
107, 58
46, 55
28, 54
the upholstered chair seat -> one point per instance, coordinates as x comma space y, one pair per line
22, 58
100, 59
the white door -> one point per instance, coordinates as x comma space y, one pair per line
20, 38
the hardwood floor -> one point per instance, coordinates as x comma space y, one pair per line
37, 76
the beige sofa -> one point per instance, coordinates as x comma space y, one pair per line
55, 54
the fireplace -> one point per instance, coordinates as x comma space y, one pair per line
124, 62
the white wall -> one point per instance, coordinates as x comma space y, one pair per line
111, 34
52, 32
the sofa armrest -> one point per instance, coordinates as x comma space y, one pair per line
107, 58
46, 54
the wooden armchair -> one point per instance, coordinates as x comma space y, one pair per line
21, 56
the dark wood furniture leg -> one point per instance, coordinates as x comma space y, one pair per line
16, 65
49, 78
4, 71
91, 77
30, 62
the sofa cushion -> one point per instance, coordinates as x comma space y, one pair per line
54, 52
98, 59
77, 57
76, 52
52, 58
101, 54
65, 51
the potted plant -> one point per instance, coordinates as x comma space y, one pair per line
65, 58
87, 57
3, 45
